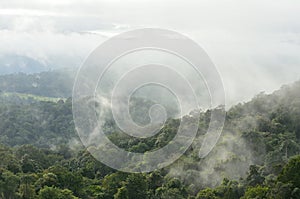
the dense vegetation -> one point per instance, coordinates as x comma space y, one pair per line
256, 157
43, 124
47, 84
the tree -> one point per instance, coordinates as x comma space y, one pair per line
50, 193
26, 188
8, 184
136, 186
173, 188
67, 179
49, 179
122, 193
55, 193
229, 189
27, 191
254, 177
111, 183
258, 192
207, 193
291, 172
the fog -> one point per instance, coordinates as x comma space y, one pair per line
255, 45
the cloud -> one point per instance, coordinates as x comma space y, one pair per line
53, 49
255, 44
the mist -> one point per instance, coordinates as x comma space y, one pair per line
253, 50
257, 51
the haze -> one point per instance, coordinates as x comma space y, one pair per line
254, 44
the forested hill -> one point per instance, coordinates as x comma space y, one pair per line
256, 156
56, 84
27, 123
280, 107
40, 123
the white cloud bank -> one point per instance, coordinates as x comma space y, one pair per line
254, 43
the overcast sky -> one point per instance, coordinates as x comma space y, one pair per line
255, 44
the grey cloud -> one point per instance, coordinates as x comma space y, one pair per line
255, 44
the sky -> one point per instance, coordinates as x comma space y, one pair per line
255, 44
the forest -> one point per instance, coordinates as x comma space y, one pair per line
41, 156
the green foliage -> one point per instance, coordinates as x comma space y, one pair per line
207, 193
254, 177
229, 189
44, 124
57, 181
48, 84
55, 193
257, 192
8, 184
37, 161
136, 186
291, 172
111, 183
122, 193
172, 188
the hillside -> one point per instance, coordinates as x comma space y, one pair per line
22, 98
57, 84
256, 155
12, 63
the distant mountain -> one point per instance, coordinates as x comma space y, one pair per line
16, 63
56, 84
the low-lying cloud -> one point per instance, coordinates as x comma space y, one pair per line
254, 44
